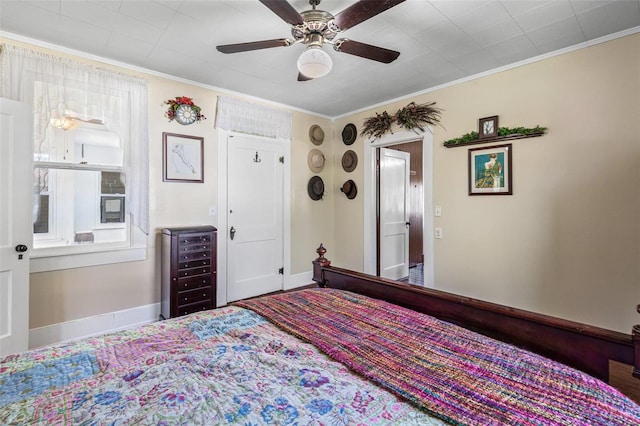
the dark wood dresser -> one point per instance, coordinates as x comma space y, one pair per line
188, 270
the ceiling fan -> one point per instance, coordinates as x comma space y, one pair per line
315, 27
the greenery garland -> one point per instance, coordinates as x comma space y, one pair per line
502, 132
411, 117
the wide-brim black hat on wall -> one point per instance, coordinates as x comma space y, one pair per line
315, 188
349, 134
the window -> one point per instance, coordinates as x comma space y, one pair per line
90, 186
80, 190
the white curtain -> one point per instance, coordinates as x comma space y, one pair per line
245, 117
57, 87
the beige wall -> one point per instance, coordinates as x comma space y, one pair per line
311, 221
66, 295
567, 242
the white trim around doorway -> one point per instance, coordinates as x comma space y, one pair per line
289, 280
370, 260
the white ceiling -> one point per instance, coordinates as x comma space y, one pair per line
439, 41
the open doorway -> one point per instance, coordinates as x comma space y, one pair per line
370, 194
406, 198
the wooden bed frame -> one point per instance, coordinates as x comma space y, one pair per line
587, 348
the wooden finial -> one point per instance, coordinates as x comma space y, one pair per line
318, 264
321, 251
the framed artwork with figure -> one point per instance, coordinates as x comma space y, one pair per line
490, 170
182, 158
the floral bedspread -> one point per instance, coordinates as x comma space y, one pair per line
226, 366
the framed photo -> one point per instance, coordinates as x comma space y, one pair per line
490, 170
488, 127
182, 158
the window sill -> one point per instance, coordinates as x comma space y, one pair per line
56, 262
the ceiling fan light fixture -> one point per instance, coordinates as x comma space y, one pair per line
314, 62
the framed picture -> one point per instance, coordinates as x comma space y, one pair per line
490, 170
182, 158
488, 127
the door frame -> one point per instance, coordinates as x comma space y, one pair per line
381, 208
19, 187
222, 207
370, 192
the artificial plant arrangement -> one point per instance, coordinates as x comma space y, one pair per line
176, 103
503, 132
412, 117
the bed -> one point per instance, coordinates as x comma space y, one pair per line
323, 356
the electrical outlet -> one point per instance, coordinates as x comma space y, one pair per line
438, 233
437, 211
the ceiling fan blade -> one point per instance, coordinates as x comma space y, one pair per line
364, 50
284, 10
361, 11
302, 77
254, 45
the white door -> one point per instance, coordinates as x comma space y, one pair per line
394, 213
16, 175
255, 217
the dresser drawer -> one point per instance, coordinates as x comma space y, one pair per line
194, 296
190, 248
194, 238
194, 271
196, 307
191, 283
188, 256
195, 263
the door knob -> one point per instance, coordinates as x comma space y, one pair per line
232, 232
21, 248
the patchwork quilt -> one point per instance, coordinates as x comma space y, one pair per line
226, 366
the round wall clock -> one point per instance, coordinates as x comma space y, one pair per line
185, 114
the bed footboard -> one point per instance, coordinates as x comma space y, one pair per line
636, 348
581, 346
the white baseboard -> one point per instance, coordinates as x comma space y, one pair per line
298, 280
114, 321
90, 326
